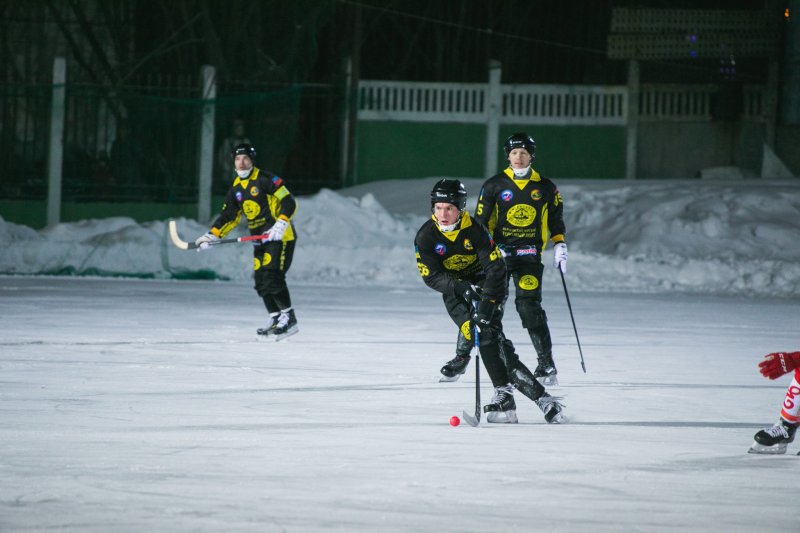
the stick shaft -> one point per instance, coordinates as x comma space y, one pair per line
572, 317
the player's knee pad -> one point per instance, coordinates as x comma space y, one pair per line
465, 332
531, 313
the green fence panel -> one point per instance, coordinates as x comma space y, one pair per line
398, 150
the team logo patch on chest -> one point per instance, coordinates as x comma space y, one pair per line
459, 262
440, 249
507, 195
238, 196
521, 215
251, 209
253, 191
468, 245
536, 195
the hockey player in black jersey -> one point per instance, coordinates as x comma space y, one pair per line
457, 257
522, 210
268, 206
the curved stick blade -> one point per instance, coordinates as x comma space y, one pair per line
175, 238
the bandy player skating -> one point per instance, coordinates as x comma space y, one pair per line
774, 439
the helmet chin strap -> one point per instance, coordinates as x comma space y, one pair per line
521, 172
451, 227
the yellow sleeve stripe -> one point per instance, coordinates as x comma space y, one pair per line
226, 228
557, 238
281, 193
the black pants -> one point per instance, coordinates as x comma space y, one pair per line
499, 356
526, 271
490, 337
271, 261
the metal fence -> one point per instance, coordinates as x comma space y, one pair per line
140, 142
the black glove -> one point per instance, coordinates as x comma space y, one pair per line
467, 291
482, 315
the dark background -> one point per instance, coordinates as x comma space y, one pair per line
281, 68
537, 41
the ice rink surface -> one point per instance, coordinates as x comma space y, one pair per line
136, 405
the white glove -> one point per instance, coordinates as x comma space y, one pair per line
277, 230
204, 241
560, 256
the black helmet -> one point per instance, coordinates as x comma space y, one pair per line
244, 149
520, 140
451, 192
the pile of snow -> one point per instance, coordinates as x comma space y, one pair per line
690, 235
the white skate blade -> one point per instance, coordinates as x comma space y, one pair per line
445, 379
502, 417
289, 332
271, 337
548, 381
777, 449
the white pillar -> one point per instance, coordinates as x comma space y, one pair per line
349, 87
206, 166
55, 155
632, 128
494, 108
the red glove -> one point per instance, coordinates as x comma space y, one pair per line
777, 364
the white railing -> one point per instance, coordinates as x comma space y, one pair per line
422, 102
542, 104
676, 102
565, 104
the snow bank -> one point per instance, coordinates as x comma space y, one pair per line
727, 238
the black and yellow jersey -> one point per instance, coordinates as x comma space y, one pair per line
467, 253
263, 198
521, 212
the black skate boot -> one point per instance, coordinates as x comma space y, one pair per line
270, 327
454, 368
503, 409
286, 326
546, 372
552, 409
774, 439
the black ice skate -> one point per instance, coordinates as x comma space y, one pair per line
552, 409
271, 323
454, 368
546, 372
774, 439
503, 409
286, 326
